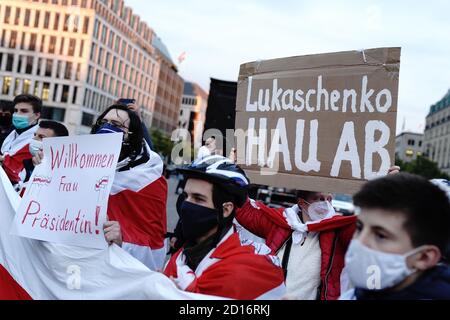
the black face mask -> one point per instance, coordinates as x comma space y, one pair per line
196, 220
5, 120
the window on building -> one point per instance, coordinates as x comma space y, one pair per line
52, 45
13, 40
9, 62
87, 119
66, 22
32, 44
107, 60
26, 86
78, 72
117, 44
7, 14
19, 64
52, 113
61, 48
36, 18
72, 44
46, 20
65, 94
68, 72
59, 69
104, 34
17, 87
97, 78
22, 42
29, 65
86, 25
17, 19
74, 97
81, 48
48, 68
96, 28
45, 91
27, 18
56, 22
6, 85
111, 39
42, 44
39, 67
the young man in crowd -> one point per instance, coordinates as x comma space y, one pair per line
46, 129
401, 238
212, 260
27, 111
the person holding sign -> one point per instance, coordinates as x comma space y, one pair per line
137, 203
399, 248
310, 240
224, 267
46, 129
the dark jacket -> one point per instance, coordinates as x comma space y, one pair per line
432, 285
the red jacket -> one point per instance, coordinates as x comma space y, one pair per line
335, 236
232, 270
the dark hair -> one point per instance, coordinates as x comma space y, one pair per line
135, 136
219, 197
30, 99
425, 206
59, 129
6, 106
305, 195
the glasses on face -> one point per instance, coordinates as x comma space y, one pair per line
115, 123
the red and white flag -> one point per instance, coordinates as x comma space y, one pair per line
138, 202
15, 149
33, 269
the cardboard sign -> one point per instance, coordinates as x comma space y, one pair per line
320, 122
67, 196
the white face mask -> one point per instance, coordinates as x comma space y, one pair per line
35, 146
375, 270
320, 210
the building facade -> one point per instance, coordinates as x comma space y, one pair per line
168, 93
79, 56
437, 134
408, 146
193, 113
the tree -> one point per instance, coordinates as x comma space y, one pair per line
161, 143
422, 166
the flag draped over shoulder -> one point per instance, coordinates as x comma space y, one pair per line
42, 270
138, 201
15, 150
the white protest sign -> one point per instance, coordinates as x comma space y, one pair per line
67, 196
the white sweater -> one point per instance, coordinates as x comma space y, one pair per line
303, 271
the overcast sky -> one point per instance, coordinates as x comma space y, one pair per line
218, 36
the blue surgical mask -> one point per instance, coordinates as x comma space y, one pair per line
20, 122
35, 146
108, 128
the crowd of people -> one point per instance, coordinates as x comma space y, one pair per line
395, 247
